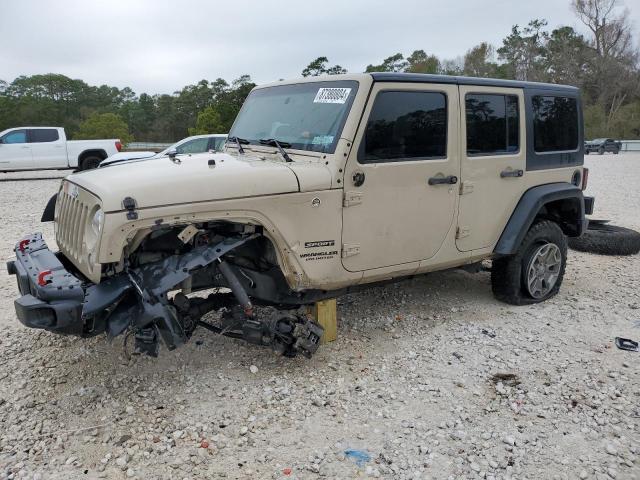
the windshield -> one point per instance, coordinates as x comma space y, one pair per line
307, 116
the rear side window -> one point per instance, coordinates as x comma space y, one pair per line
42, 135
555, 123
493, 124
406, 125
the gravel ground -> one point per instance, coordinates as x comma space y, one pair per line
431, 378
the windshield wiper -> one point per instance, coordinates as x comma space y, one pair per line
279, 145
238, 141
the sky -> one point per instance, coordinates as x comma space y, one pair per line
158, 46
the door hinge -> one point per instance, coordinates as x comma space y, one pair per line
349, 250
462, 232
351, 198
466, 187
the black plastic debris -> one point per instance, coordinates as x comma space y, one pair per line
626, 344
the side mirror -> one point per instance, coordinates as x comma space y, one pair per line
172, 153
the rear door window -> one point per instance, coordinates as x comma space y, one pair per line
406, 126
42, 135
555, 123
493, 124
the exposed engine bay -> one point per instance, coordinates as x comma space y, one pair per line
152, 295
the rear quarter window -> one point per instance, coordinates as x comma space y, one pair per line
555, 123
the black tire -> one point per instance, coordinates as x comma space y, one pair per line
615, 152
586, 152
90, 163
508, 274
605, 239
601, 151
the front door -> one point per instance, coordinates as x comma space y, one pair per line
493, 163
15, 152
401, 176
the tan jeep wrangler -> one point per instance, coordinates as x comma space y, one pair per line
325, 185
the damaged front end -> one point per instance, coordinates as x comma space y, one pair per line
148, 297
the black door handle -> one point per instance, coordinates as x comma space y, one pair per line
450, 180
511, 173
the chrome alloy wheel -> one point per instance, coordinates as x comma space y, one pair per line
543, 270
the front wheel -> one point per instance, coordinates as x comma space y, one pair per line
534, 274
90, 163
601, 151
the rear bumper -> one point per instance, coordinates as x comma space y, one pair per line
588, 205
52, 298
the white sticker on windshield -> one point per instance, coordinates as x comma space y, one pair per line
332, 95
322, 140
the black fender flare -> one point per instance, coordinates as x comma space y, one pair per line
49, 210
529, 206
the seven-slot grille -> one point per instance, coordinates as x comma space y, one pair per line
71, 220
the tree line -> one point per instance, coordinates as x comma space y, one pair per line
603, 62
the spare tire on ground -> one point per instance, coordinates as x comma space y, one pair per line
606, 239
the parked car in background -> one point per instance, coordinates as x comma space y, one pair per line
601, 145
195, 144
47, 148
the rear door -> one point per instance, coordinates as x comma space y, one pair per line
15, 151
401, 176
493, 162
48, 149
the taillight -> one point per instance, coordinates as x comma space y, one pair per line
585, 178
119, 146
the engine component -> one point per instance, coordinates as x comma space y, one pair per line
287, 332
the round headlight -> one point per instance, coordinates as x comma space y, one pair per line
93, 230
96, 221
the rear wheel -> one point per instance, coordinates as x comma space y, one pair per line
535, 273
90, 163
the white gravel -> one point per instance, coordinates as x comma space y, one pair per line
411, 380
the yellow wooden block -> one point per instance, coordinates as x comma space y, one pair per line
325, 313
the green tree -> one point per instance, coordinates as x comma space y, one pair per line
523, 51
394, 63
567, 57
319, 67
479, 62
208, 122
614, 79
420, 62
104, 125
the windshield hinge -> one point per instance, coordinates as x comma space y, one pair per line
129, 205
349, 250
351, 198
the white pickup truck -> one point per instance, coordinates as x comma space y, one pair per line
47, 148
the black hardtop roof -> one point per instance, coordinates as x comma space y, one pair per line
457, 80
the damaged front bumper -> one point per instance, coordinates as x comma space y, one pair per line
136, 301
52, 298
